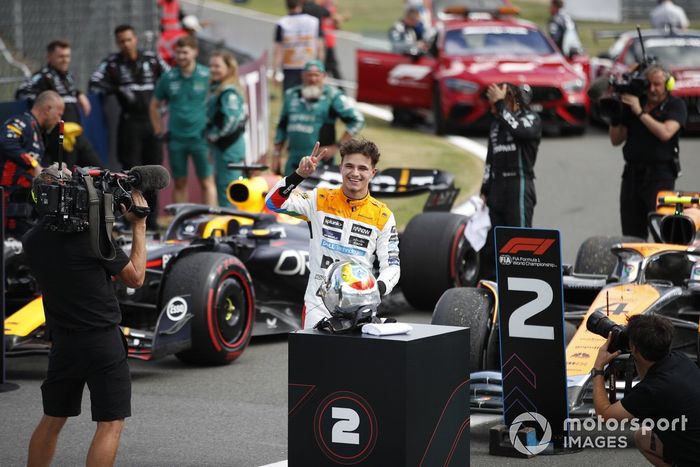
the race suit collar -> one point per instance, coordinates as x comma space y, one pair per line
354, 203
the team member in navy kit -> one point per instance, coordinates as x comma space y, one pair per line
55, 76
131, 75
21, 153
508, 187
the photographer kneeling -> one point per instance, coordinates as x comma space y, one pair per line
82, 321
669, 389
649, 126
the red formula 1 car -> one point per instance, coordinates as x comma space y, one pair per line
678, 51
471, 50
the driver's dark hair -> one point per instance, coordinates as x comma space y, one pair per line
360, 146
651, 335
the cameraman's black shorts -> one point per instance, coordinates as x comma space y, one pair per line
96, 357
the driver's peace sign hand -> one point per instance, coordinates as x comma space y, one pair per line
307, 165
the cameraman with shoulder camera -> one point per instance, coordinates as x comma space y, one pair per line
669, 389
82, 321
649, 126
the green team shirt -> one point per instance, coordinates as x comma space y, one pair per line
186, 97
301, 121
226, 112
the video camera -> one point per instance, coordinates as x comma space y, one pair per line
634, 82
600, 324
64, 203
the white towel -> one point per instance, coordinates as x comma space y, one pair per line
386, 329
478, 224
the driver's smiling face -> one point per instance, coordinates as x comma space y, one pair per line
357, 171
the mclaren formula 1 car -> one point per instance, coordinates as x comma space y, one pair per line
621, 277
220, 275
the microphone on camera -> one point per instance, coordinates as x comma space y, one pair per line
149, 177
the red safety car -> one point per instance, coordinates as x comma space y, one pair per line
678, 51
472, 49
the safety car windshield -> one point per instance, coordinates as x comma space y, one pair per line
496, 40
678, 52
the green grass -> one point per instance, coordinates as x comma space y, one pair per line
412, 149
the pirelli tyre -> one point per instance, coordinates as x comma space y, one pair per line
435, 256
222, 302
594, 255
468, 307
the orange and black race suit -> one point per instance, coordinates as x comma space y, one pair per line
21, 149
342, 229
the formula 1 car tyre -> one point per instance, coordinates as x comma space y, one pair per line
594, 255
435, 256
467, 307
222, 301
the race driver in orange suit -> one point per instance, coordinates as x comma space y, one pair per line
347, 223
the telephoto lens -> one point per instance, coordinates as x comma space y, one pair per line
600, 324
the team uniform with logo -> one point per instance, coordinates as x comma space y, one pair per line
509, 185
186, 98
21, 149
303, 122
50, 79
133, 82
342, 229
227, 116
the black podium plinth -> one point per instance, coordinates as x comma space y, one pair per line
379, 401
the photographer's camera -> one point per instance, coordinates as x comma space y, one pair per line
599, 323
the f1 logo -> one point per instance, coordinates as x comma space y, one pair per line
345, 427
537, 246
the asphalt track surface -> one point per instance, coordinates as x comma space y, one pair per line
236, 415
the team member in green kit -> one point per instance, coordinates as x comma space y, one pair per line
308, 115
227, 116
185, 88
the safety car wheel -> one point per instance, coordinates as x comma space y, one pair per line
441, 126
435, 256
467, 307
222, 302
594, 255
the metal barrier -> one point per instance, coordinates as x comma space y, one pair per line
27, 26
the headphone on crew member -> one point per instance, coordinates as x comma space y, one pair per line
669, 80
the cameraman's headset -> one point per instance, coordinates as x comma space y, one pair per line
669, 82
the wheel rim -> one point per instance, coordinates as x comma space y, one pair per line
231, 311
466, 264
